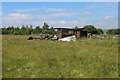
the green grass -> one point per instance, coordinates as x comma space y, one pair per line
85, 58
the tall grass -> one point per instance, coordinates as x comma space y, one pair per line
85, 58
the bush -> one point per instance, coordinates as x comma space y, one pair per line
42, 38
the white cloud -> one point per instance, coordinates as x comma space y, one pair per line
25, 10
87, 13
107, 17
106, 24
55, 10
69, 24
17, 16
63, 14
90, 7
62, 22
17, 19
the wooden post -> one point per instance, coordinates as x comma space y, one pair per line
62, 33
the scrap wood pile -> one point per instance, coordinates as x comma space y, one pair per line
95, 36
45, 37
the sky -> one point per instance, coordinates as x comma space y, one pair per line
60, 0
60, 14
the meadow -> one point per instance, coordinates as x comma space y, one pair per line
85, 58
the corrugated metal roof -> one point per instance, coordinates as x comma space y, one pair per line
70, 28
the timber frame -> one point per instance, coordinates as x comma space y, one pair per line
80, 32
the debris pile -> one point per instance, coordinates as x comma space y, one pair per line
31, 38
70, 38
54, 37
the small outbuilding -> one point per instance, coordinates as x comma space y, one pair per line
66, 32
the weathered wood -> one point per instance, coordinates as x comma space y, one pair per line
65, 32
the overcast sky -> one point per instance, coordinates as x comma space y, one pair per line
61, 14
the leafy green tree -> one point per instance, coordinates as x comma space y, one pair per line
27, 30
51, 30
37, 30
26, 26
91, 29
4, 31
30, 30
17, 28
109, 31
44, 31
118, 31
76, 27
100, 31
17, 31
8, 29
45, 26
23, 30
11, 30
113, 31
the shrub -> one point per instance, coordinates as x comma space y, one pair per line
42, 38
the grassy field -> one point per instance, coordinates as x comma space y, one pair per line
85, 58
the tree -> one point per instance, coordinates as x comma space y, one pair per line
4, 31
17, 31
91, 29
23, 30
29, 30
100, 31
113, 31
51, 30
8, 29
109, 31
17, 28
118, 31
37, 30
76, 27
45, 26
11, 30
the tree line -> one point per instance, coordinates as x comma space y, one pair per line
25, 30
113, 31
93, 30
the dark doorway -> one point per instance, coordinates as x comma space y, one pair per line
83, 34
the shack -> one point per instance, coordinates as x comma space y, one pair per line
66, 32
